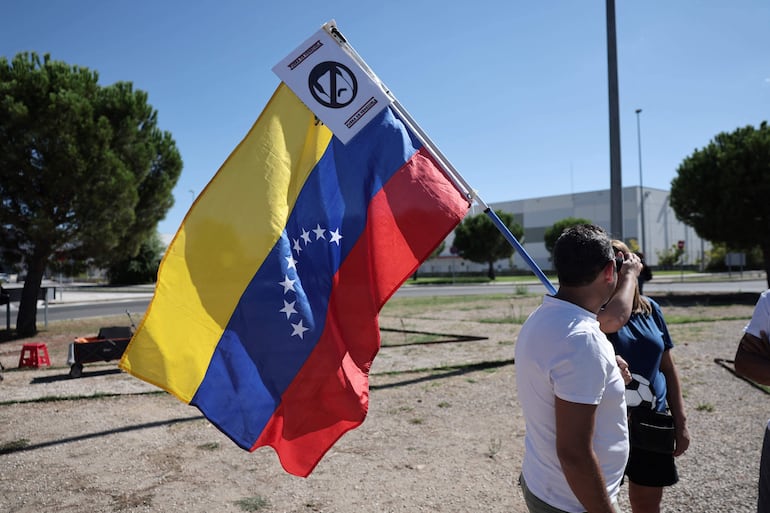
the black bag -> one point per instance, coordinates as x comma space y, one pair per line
652, 430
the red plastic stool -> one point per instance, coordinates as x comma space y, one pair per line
34, 355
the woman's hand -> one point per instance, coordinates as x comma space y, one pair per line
624, 370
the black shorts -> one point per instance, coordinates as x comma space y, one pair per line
651, 468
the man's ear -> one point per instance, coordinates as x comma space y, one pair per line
609, 271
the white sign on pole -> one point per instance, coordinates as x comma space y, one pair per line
332, 84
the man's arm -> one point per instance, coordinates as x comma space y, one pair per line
574, 447
752, 360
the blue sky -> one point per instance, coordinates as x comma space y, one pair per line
513, 92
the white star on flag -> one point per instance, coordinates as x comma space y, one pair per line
287, 284
319, 232
288, 308
299, 329
305, 236
291, 263
335, 236
296, 246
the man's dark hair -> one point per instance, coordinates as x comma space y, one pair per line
580, 253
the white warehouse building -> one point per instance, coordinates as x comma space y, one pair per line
662, 230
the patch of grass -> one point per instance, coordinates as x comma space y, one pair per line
95, 395
705, 407
69, 328
444, 404
412, 303
401, 409
683, 319
516, 316
494, 447
211, 446
503, 320
416, 421
15, 445
521, 290
255, 503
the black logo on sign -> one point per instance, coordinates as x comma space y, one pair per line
332, 84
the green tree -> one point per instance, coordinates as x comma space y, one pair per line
141, 268
439, 249
84, 169
722, 190
552, 233
670, 257
477, 239
717, 255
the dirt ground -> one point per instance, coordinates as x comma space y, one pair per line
444, 432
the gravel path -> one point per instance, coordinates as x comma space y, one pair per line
444, 440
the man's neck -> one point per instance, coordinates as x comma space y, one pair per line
583, 297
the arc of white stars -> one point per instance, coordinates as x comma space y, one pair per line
299, 329
335, 236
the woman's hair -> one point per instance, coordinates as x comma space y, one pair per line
641, 305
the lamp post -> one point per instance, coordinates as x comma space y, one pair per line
643, 236
616, 180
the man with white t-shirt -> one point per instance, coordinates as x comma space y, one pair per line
752, 360
570, 388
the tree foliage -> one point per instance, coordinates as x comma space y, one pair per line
439, 249
477, 239
671, 256
552, 233
85, 172
141, 268
716, 257
722, 190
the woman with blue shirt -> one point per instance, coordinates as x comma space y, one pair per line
644, 342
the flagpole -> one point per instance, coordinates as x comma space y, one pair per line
460, 182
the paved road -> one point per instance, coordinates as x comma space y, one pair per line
653, 287
85, 302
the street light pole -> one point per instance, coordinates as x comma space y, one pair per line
616, 181
643, 235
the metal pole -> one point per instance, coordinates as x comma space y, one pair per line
643, 234
616, 182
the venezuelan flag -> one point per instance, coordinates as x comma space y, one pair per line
265, 313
